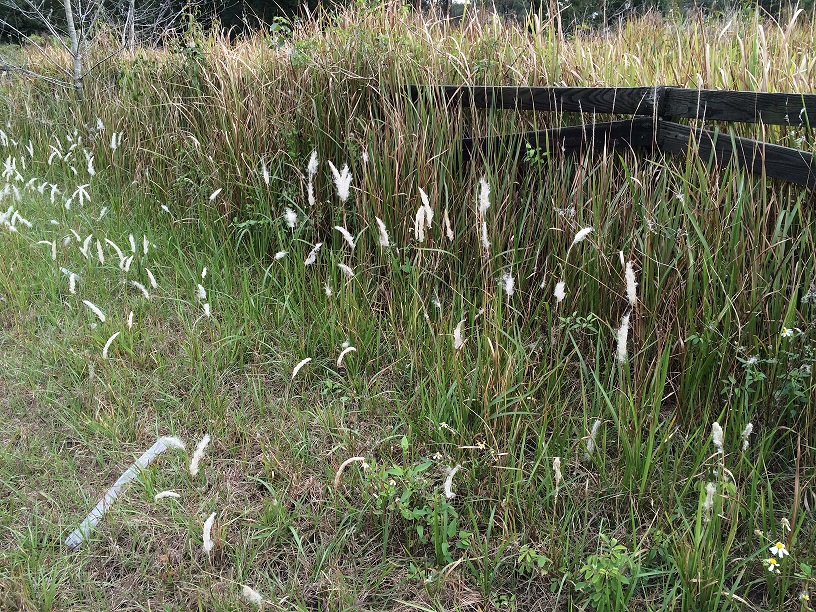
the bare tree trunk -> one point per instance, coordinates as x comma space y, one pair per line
76, 50
132, 25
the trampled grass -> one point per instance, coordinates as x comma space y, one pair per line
533, 414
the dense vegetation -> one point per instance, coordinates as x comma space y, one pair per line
619, 418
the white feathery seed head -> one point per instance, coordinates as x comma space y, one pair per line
346, 235
95, 310
346, 270
458, 340
426, 204
166, 495
207, 534
130, 320
593, 436
560, 291
384, 241
343, 353
583, 233
312, 167
557, 472
485, 239
252, 596
201, 292
108, 345
717, 436
215, 193
448, 486
509, 284
141, 287
290, 216
198, 454
419, 224
343, 467
300, 365
151, 278
280, 255
631, 284
342, 180
623, 335
264, 172
708, 503
484, 196
446, 225
312, 257
746, 434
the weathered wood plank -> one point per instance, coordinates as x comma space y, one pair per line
603, 100
741, 106
633, 133
777, 161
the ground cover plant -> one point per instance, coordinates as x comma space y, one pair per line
532, 381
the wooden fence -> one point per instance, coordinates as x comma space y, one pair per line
651, 127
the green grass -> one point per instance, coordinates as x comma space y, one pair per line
723, 261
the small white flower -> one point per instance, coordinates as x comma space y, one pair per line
779, 550
328, 290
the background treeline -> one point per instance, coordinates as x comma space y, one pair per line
246, 15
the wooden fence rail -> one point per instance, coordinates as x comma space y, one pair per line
651, 127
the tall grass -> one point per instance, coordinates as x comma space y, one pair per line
723, 262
